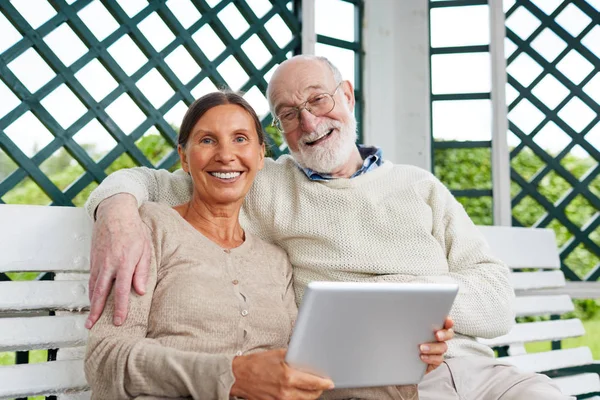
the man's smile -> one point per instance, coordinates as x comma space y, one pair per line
321, 139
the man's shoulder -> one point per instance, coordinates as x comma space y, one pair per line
284, 168
284, 163
412, 172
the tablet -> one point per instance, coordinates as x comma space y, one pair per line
367, 334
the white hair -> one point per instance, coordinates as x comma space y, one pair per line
337, 75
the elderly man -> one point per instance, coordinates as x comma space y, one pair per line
342, 213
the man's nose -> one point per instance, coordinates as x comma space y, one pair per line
308, 122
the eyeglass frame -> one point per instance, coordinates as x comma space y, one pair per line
302, 106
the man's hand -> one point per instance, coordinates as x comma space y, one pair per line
120, 250
433, 353
266, 376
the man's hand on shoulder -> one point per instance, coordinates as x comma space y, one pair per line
120, 251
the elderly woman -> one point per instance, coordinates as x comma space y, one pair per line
219, 307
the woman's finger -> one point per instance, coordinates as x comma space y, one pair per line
307, 394
308, 382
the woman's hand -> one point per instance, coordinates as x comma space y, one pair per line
433, 353
266, 376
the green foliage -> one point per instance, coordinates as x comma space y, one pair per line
276, 138
63, 170
585, 309
463, 169
7, 165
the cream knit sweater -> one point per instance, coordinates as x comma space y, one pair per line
396, 223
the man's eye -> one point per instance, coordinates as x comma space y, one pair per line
241, 139
206, 140
318, 99
288, 115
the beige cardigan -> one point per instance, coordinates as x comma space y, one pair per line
203, 306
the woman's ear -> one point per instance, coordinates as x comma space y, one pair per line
261, 163
182, 156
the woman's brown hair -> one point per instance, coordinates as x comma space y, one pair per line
211, 100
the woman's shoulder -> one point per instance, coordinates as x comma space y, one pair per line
266, 249
157, 215
154, 210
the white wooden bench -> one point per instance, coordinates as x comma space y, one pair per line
525, 248
53, 239
57, 239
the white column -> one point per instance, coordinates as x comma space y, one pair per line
500, 153
396, 80
309, 35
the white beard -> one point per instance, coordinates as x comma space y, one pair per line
331, 155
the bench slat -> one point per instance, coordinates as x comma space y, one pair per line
507, 243
47, 238
537, 280
49, 332
41, 379
87, 395
549, 360
578, 384
543, 305
538, 332
35, 295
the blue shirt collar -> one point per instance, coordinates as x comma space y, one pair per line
372, 158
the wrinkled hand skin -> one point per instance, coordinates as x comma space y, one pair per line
120, 253
433, 353
266, 376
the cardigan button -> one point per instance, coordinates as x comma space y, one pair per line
235, 281
244, 313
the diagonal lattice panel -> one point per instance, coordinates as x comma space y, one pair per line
91, 69
142, 98
554, 78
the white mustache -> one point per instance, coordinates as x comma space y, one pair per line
320, 131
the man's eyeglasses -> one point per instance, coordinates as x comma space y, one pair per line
288, 118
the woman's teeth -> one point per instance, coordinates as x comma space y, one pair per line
225, 175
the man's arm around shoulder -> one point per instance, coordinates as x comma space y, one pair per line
120, 244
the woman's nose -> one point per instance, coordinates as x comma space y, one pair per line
225, 152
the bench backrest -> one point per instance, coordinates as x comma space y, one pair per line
44, 239
533, 256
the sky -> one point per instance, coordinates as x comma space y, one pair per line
456, 120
